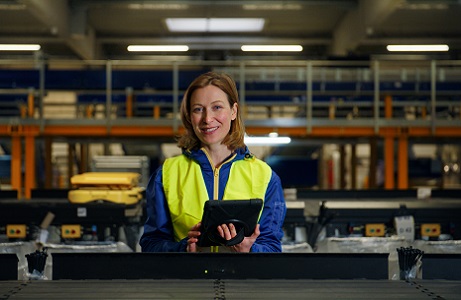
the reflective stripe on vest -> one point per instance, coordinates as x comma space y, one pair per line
186, 192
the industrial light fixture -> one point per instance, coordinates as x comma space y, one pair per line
19, 47
157, 48
215, 24
420, 48
272, 6
272, 139
158, 6
273, 48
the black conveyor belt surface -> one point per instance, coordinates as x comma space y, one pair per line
230, 289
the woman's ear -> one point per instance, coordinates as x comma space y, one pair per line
234, 111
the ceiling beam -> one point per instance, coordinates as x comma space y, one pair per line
64, 22
358, 24
84, 45
53, 13
82, 37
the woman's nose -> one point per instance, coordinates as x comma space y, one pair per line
207, 116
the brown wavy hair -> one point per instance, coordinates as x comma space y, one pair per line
224, 82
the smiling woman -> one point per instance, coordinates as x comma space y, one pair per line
211, 119
215, 164
211, 103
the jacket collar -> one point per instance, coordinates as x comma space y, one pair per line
200, 157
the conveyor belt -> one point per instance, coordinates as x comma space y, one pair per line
230, 289
267, 266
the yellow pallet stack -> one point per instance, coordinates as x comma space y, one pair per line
116, 187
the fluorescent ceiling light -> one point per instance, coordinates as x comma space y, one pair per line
266, 140
19, 47
215, 24
273, 48
272, 6
158, 6
153, 48
417, 48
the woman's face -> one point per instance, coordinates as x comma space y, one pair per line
211, 115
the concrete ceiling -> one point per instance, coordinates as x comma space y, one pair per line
102, 29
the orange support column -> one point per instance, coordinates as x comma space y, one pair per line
16, 164
30, 104
388, 107
388, 148
29, 180
389, 183
129, 102
48, 162
423, 112
156, 112
403, 163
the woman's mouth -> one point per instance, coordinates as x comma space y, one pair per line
209, 130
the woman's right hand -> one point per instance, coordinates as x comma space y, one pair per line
193, 235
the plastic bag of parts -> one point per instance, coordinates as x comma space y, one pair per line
409, 264
36, 262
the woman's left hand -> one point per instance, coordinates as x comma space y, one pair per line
193, 235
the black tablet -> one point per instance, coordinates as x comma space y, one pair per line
244, 214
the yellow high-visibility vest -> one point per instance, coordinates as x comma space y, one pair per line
186, 192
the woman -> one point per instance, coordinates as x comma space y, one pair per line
215, 164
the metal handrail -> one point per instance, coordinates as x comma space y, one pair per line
305, 72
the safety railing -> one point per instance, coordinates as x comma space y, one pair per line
272, 93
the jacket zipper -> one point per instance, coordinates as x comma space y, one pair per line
216, 184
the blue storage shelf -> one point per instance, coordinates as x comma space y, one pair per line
10, 104
5, 166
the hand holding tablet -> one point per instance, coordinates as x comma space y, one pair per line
243, 214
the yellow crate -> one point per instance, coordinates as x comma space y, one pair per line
128, 197
104, 179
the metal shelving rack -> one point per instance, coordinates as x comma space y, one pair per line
296, 117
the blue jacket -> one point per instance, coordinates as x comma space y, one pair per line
158, 229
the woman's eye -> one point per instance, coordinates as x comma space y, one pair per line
197, 109
217, 107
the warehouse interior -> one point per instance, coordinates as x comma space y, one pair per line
366, 141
